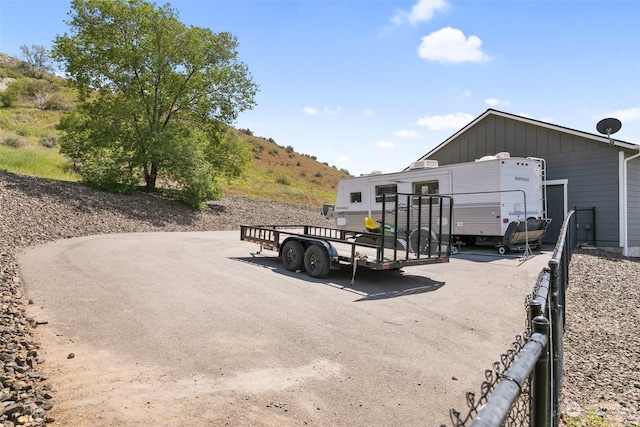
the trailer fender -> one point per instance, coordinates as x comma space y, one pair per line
308, 241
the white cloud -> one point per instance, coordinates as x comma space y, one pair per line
451, 45
325, 110
622, 115
407, 134
368, 113
423, 10
330, 112
343, 159
447, 121
494, 102
540, 119
385, 144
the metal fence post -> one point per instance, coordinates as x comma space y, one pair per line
556, 340
535, 310
540, 382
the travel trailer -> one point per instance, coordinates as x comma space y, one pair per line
498, 200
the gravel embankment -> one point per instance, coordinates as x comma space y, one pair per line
602, 360
602, 340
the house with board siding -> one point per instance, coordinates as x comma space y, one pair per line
584, 171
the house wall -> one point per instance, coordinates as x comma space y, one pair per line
591, 167
633, 200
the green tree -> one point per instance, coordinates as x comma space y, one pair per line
157, 98
37, 61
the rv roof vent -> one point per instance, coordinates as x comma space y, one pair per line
376, 173
486, 158
422, 164
503, 155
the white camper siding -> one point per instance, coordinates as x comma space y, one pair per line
522, 175
477, 213
481, 205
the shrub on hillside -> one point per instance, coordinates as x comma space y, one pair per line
13, 142
9, 96
54, 103
49, 141
282, 181
8, 70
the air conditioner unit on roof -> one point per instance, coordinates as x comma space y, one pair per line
422, 164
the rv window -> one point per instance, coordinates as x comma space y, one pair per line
425, 188
356, 197
386, 189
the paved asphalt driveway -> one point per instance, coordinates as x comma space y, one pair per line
192, 329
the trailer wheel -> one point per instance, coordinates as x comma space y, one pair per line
502, 250
293, 255
316, 261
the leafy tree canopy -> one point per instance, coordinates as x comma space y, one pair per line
156, 98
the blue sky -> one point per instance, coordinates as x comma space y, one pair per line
375, 84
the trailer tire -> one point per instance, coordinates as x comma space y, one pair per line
293, 255
503, 250
316, 261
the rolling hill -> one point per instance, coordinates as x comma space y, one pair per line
30, 108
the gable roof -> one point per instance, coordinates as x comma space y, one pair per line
527, 120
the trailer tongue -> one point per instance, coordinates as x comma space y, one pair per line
414, 230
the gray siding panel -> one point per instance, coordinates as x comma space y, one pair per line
633, 202
593, 182
592, 168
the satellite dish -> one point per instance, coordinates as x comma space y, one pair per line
608, 127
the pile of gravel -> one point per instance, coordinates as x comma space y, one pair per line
602, 340
602, 356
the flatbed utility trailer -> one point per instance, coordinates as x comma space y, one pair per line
408, 237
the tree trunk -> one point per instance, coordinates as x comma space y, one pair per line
150, 177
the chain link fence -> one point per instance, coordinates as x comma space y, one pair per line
524, 387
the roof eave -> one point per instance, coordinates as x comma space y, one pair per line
491, 111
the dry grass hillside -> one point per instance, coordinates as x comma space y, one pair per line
279, 173
28, 145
